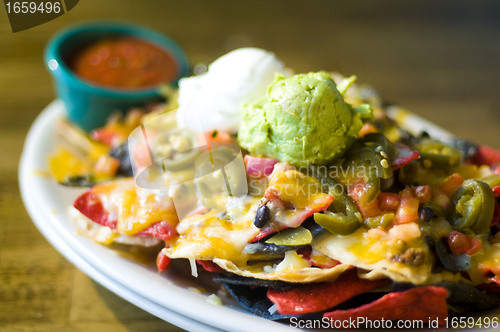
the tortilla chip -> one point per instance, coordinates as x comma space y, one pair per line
315, 297
304, 275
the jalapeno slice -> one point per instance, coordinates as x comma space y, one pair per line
299, 236
367, 164
341, 217
437, 154
473, 206
492, 180
380, 221
337, 223
386, 146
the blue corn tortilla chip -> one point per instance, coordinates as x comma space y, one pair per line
252, 282
254, 300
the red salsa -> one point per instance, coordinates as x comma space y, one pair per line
123, 62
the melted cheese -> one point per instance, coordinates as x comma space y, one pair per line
134, 208
212, 235
64, 164
361, 249
297, 188
486, 260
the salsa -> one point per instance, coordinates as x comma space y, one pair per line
123, 62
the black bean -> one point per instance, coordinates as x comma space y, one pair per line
426, 214
121, 153
262, 216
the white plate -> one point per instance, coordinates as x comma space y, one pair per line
163, 295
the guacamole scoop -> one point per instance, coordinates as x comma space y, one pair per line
302, 120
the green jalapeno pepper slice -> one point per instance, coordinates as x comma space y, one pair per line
473, 206
492, 180
337, 223
386, 146
437, 154
298, 236
367, 164
341, 217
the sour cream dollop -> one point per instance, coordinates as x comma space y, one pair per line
214, 100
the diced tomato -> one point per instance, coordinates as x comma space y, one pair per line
109, 136
162, 261
213, 136
356, 191
451, 184
259, 167
408, 209
421, 303
475, 246
496, 191
210, 266
369, 210
160, 230
315, 297
486, 156
404, 155
91, 206
461, 243
367, 128
440, 198
106, 165
423, 193
389, 201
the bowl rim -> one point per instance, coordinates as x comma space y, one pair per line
63, 73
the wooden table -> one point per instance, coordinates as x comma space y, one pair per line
440, 60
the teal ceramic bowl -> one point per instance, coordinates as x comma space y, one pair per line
89, 105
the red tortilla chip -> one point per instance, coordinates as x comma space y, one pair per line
315, 297
210, 266
161, 230
91, 206
421, 303
162, 261
496, 191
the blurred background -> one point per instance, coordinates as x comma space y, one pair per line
440, 60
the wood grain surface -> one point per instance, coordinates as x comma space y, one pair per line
438, 59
